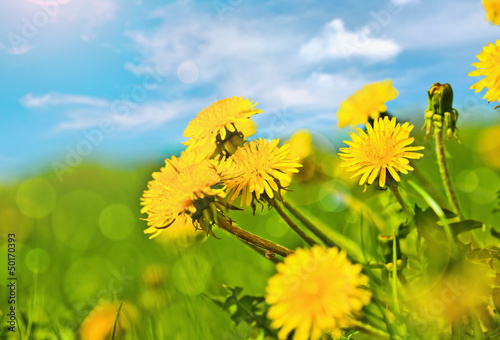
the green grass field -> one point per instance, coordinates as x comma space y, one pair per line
80, 245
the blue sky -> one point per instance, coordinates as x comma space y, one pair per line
117, 81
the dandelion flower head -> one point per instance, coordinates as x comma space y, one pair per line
385, 147
315, 290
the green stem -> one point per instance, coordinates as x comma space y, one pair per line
262, 252
349, 246
309, 225
431, 189
253, 239
395, 274
33, 304
445, 175
291, 223
406, 207
369, 330
439, 212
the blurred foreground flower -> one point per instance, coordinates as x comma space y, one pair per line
221, 127
488, 66
367, 102
464, 291
315, 290
488, 146
259, 168
185, 190
492, 8
384, 147
98, 325
300, 145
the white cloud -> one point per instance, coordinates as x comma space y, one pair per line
84, 112
99, 12
448, 25
404, 2
235, 57
20, 49
335, 42
140, 117
54, 98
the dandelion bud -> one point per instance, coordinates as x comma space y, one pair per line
440, 112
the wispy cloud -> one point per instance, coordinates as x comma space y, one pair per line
336, 42
99, 13
83, 112
54, 98
140, 117
404, 2
240, 57
20, 49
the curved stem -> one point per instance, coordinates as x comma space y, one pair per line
291, 223
262, 252
445, 175
253, 239
352, 248
369, 330
440, 214
431, 189
406, 207
309, 225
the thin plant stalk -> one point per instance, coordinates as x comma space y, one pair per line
262, 252
445, 175
439, 212
370, 330
254, 239
406, 207
351, 247
395, 275
309, 225
115, 324
279, 208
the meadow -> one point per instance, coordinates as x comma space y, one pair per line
81, 251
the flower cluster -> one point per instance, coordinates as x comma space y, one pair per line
218, 160
323, 290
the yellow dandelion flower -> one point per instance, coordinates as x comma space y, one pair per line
367, 102
185, 191
98, 325
492, 8
489, 67
384, 147
301, 144
315, 290
259, 168
227, 120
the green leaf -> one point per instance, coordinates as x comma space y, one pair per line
463, 226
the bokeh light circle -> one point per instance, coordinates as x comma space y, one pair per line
37, 260
276, 227
336, 196
489, 183
90, 280
76, 217
117, 221
187, 72
36, 198
467, 181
